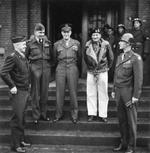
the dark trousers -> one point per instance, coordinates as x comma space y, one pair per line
17, 123
66, 75
127, 117
40, 75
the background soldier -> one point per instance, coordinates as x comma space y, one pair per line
127, 89
68, 59
15, 72
39, 54
119, 32
141, 38
98, 56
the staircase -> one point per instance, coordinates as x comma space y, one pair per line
84, 133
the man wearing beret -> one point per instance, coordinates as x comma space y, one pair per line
15, 73
38, 53
128, 81
67, 55
98, 56
142, 38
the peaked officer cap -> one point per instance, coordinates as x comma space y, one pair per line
39, 27
17, 39
66, 27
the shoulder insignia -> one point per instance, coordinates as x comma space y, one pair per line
12, 54
138, 56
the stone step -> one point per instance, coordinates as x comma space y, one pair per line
80, 92
144, 101
143, 125
143, 112
77, 137
5, 148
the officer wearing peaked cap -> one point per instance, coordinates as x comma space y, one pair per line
15, 73
142, 38
128, 81
67, 55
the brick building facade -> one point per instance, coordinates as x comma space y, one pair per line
19, 17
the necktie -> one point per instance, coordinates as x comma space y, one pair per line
123, 56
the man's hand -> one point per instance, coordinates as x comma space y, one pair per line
113, 95
134, 100
13, 90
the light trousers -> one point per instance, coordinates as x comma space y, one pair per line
97, 94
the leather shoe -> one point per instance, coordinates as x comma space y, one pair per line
19, 150
90, 118
36, 122
56, 120
74, 121
44, 118
102, 119
119, 148
129, 150
25, 144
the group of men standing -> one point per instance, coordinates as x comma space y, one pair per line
31, 63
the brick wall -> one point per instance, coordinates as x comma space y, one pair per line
34, 14
130, 10
21, 17
6, 22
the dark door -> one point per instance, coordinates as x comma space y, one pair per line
66, 12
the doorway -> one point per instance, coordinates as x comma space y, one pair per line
66, 12
83, 15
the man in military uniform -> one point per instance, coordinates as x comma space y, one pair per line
128, 81
98, 56
67, 55
141, 37
15, 73
38, 53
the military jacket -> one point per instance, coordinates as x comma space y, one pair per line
139, 35
67, 54
129, 72
100, 62
38, 51
141, 38
15, 71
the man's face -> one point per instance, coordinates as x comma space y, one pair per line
96, 37
120, 29
21, 46
123, 44
110, 31
39, 34
66, 34
137, 24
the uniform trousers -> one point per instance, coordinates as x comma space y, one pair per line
40, 76
66, 75
97, 94
127, 117
17, 123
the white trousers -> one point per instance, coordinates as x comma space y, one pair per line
97, 94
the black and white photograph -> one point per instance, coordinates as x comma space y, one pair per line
74, 76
